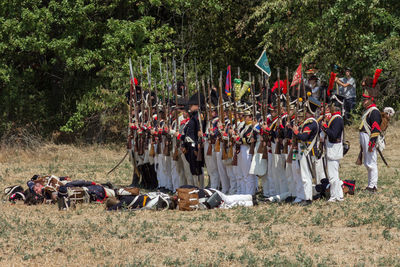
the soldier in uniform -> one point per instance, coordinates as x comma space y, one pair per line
245, 137
307, 135
211, 160
192, 141
369, 132
334, 148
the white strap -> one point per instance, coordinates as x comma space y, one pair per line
133, 202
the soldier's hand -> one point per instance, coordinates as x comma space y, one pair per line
200, 134
295, 128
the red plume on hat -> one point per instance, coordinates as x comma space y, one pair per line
281, 84
331, 83
376, 77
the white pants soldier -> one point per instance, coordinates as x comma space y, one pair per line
370, 161
334, 152
223, 176
231, 172
272, 181
244, 162
303, 176
212, 166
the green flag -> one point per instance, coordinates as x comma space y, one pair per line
262, 63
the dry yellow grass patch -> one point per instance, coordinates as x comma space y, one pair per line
363, 230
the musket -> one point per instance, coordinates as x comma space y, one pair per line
253, 144
237, 146
150, 117
211, 138
261, 146
143, 141
186, 90
200, 149
230, 118
278, 141
224, 141
286, 143
217, 147
294, 148
132, 99
166, 114
175, 156
266, 136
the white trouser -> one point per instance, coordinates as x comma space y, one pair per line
290, 179
280, 197
198, 180
212, 166
230, 171
297, 183
370, 161
258, 164
270, 174
222, 173
176, 173
319, 170
159, 163
236, 200
187, 173
281, 173
334, 181
244, 162
167, 173
304, 188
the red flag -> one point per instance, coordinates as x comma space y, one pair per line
228, 81
331, 83
297, 76
376, 77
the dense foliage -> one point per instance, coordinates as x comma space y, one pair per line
64, 64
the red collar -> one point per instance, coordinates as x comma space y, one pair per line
372, 105
336, 113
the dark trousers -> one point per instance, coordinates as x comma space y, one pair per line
349, 104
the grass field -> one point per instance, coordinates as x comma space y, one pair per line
364, 230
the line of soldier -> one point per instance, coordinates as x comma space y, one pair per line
287, 141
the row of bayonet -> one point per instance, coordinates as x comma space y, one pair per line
141, 107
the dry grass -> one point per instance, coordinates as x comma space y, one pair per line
364, 230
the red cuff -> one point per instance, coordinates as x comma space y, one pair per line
296, 132
179, 137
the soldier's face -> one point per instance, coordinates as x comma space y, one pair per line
366, 103
194, 108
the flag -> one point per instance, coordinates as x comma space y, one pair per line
296, 77
376, 77
331, 83
228, 82
263, 64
